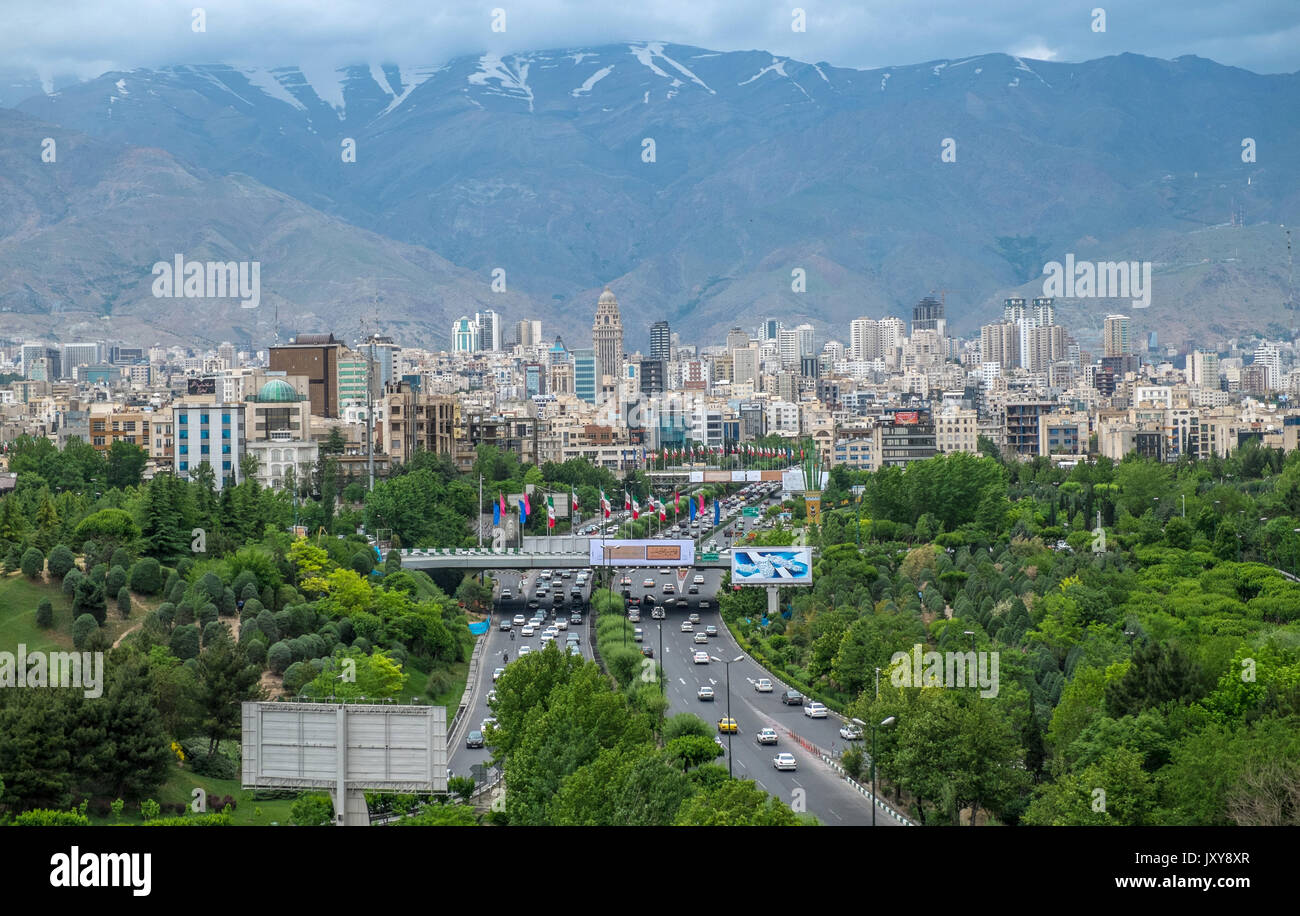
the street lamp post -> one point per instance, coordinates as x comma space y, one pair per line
874, 792
877, 683
730, 732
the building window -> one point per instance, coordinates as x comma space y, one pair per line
203, 418
185, 434
185, 450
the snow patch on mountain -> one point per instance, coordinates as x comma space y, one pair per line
327, 83
269, 84
592, 80
777, 66
410, 78
381, 80
646, 52
511, 83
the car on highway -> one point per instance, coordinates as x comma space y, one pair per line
551, 632
784, 762
492, 696
766, 736
497, 673
850, 732
692, 590
488, 722
561, 624
728, 726
575, 619
634, 615
648, 651
527, 630
763, 685
704, 604
533, 605
699, 579
682, 604
694, 618
519, 620
474, 739
704, 693
525, 650
792, 698
637, 635
669, 589
627, 580
545, 575
665, 571
648, 583
711, 630
546, 637
506, 594
573, 649
701, 658
658, 613
701, 637
688, 627
505, 624
815, 710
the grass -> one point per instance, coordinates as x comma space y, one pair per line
19, 597
179, 787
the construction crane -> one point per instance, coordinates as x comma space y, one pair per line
943, 296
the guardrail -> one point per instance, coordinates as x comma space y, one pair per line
471, 679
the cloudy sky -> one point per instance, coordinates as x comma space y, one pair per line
87, 37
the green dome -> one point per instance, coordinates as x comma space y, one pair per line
277, 391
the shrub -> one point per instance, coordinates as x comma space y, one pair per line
184, 613
44, 817
124, 602
210, 584
185, 641
228, 604
243, 582
82, 627
213, 631
33, 563
211, 819
62, 561
100, 807
13, 560
252, 607
297, 675
207, 614
279, 657
115, 580
70, 582
254, 651
167, 613
88, 598
362, 562
184, 566
120, 558
45, 614
312, 811
440, 681
145, 577
266, 623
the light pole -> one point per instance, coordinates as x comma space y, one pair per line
730, 730
662, 686
885, 724
877, 684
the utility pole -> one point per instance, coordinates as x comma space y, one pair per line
480, 510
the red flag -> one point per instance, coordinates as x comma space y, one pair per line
502, 497
528, 506
627, 500
677, 499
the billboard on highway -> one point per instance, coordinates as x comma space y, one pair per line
642, 553
771, 566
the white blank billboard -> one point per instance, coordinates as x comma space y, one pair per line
387, 748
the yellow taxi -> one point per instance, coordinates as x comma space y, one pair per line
727, 726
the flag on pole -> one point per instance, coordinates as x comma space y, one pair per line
523, 512
528, 504
663, 513
573, 500
496, 515
701, 504
636, 510
627, 500
501, 497
550, 511
604, 504
677, 500
691, 503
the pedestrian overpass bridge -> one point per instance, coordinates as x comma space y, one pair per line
516, 558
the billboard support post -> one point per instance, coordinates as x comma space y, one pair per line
773, 601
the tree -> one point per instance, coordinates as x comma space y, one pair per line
88, 597
115, 580
1158, 673
33, 564
62, 561
133, 729
312, 811
82, 627
185, 641
225, 680
735, 803
146, 576
45, 614
124, 602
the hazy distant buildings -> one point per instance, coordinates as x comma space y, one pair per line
489, 329
928, 315
586, 385
1115, 335
528, 333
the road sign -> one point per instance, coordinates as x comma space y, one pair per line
750, 512
709, 557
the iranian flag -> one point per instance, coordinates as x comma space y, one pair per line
677, 501
636, 510
663, 511
573, 500
627, 500
550, 511
604, 504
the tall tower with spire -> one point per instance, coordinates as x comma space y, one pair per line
607, 335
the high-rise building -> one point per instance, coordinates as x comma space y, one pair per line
744, 365
52, 366
864, 339
892, 331
1267, 355
1000, 343
1203, 369
653, 376
586, 385
661, 341
928, 315
464, 335
770, 329
79, 354
528, 333
489, 329
1046, 345
1115, 335
209, 433
1044, 311
1013, 309
737, 339
607, 335
317, 357
228, 355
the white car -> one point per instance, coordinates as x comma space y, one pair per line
704, 693
648, 583
497, 673
561, 624
701, 658
850, 732
766, 736
688, 627
527, 630
545, 639
784, 762
525, 650
490, 720
519, 620
763, 685
699, 579
552, 632
702, 637
694, 618
815, 710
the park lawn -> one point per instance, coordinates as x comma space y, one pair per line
19, 597
416, 686
180, 785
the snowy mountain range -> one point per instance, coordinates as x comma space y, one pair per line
692, 181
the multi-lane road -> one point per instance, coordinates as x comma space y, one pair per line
813, 786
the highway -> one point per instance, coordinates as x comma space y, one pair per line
813, 786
